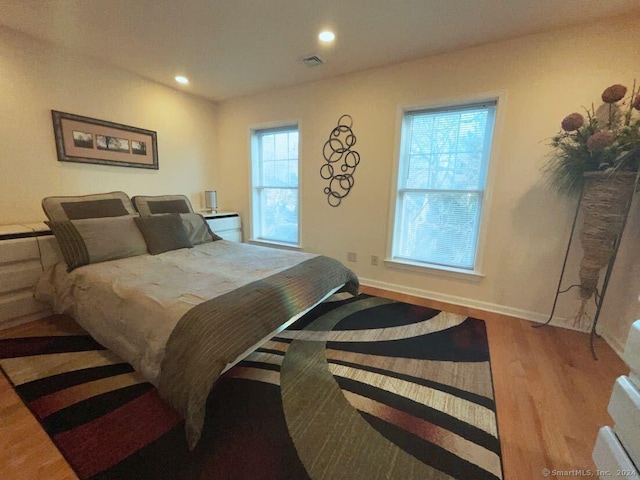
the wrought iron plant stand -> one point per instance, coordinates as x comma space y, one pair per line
589, 272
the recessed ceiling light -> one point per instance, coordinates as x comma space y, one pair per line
181, 79
327, 36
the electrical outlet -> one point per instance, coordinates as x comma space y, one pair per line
375, 260
352, 256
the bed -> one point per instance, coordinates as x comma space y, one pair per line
179, 315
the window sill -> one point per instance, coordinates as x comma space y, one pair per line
459, 273
270, 243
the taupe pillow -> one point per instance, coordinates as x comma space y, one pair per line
197, 228
163, 233
101, 205
153, 205
94, 240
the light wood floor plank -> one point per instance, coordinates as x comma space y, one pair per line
26, 451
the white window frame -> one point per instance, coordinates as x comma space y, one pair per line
474, 274
254, 216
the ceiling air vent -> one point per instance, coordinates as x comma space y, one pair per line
312, 61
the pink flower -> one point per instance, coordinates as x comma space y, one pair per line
572, 122
600, 140
614, 93
636, 102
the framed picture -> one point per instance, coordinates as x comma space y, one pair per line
89, 140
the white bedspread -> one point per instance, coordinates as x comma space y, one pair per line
132, 305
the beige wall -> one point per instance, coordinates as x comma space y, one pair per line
36, 77
544, 77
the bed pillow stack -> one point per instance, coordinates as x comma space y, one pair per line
106, 226
196, 226
94, 228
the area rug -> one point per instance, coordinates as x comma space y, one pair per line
359, 388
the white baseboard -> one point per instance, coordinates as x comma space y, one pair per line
613, 342
471, 303
537, 317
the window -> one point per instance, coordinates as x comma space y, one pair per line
275, 185
442, 174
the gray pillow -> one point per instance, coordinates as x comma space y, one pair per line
94, 240
198, 229
152, 205
163, 233
100, 205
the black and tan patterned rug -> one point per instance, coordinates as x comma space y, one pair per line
359, 388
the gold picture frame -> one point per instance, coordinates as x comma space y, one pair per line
89, 140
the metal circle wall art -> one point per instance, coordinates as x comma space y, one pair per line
341, 161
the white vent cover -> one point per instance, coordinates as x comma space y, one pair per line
312, 61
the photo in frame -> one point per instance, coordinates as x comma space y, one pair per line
89, 140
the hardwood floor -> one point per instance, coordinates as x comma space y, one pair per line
26, 452
551, 398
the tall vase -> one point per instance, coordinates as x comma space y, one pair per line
605, 199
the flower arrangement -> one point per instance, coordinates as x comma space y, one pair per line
607, 140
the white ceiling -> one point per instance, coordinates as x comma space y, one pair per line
233, 47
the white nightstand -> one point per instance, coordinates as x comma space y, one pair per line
225, 224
